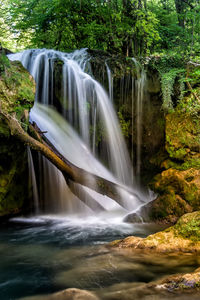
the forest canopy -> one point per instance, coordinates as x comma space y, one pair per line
128, 27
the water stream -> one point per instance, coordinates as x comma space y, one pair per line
45, 254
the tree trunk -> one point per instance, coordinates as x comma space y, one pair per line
69, 171
180, 12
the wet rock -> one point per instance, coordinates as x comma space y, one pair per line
98, 270
179, 287
133, 218
68, 294
140, 216
182, 237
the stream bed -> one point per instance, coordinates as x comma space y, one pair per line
45, 254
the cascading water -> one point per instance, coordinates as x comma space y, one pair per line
110, 82
132, 93
84, 102
33, 182
140, 90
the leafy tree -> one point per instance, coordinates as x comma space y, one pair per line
129, 27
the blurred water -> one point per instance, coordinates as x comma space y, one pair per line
44, 254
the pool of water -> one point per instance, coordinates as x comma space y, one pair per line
45, 254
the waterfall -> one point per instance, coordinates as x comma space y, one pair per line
70, 145
84, 104
110, 82
33, 182
140, 92
133, 88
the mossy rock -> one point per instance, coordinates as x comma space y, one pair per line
17, 93
179, 193
188, 226
179, 185
182, 135
182, 237
17, 88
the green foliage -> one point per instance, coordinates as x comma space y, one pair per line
170, 68
125, 125
4, 62
167, 86
190, 105
189, 226
179, 25
116, 26
131, 27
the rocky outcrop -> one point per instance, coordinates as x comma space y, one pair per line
182, 237
178, 184
17, 90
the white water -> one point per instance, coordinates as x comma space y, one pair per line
84, 99
80, 90
110, 82
140, 90
70, 145
33, 182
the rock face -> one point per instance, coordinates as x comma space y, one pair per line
182, 237
17, 90
179, 193
179, 184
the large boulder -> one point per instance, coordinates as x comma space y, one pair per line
182, 237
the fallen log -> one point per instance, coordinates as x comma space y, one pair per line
79, 191
69, 171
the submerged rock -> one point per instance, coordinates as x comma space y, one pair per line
180, 282
68, 294
179, 287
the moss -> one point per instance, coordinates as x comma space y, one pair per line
169, 207
13, 176
4, 62
17, 90
179, 185
188, 226
125, 124
179, 193
4, 131
193, 162
182, 135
